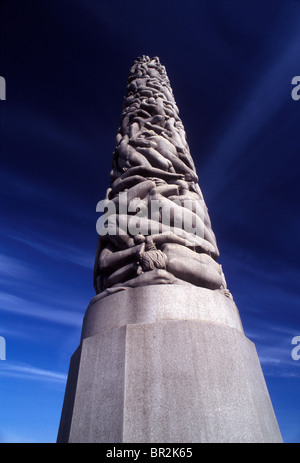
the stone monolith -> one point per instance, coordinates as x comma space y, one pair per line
163, 357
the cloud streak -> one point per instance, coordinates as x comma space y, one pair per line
25, 307
248, 121
55, 249
59, 251
11, 267
29, 372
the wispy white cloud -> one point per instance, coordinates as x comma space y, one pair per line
59, 251
274, 347
18, 305
268, 301
272, 86
263, 268
11, 437
24, 371
12, 267
56, 249
263, 284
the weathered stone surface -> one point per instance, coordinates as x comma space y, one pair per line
163, 356
163, 374
193, 381
95, 412
149, 304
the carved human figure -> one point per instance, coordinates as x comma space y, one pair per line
152, 164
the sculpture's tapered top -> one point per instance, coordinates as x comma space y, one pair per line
146, 66
150, 119
148, 73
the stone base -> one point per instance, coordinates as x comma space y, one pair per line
166, 364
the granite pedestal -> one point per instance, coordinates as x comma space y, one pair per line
163, 364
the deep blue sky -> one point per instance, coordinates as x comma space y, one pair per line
66, 64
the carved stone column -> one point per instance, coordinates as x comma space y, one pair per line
163, 356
